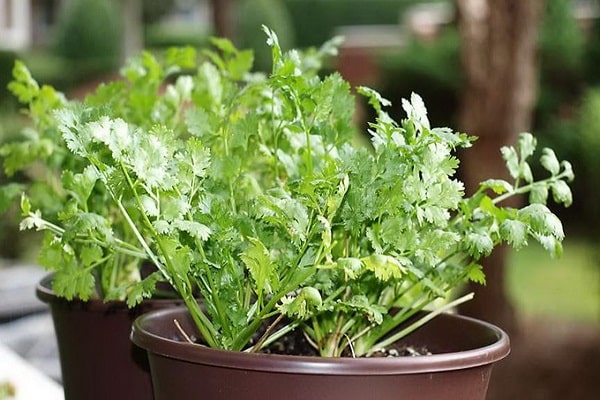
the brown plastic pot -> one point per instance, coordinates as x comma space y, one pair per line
464, 352
97, 359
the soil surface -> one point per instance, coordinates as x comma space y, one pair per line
550, 361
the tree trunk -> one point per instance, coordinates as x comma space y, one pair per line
221, 16
499, 57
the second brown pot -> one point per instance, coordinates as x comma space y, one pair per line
98, 361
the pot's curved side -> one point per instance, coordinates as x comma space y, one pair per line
98, 361
465, 350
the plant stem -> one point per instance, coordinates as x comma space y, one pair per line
417, 324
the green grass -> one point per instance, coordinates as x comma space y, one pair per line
565, 288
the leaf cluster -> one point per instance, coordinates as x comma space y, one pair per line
247, 192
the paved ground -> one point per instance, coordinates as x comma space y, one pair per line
550, 360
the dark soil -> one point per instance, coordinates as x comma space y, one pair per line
550, 361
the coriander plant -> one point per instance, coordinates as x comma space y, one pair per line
251, 194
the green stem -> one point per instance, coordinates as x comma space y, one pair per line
417, 324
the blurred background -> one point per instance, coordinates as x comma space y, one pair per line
492, 68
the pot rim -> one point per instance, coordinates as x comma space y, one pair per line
44, 292
143, 336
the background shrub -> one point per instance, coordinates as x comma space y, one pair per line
88, 35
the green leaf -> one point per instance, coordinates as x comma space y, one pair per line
475, 273
177, 256
568, 171
383, 266
8, 195
23, 86
361, 304
512, 161
181, 58
541, 220
198, 157
198, 122
561, 193
526, 144
302, 305
210, 86
81, 185
550, 162
240, 64
514, 232
498, 186
223, 44
72, 282
90, 254
551, 244
352, 267
375, 99
538, 193
526, 173
258, 262
144, 289
416, 111
196, 229
479, 244
273, 43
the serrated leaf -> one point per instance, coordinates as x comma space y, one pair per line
383, 266
258, 262
538, 193
561, 193
198, 156
196, 229
416, 110
475, 273
143, 289
352, 267
541, 220
512, 161
514, 232
301, 305
527, 144
73, 282
198, 122
551, 244
479, 244
80, 185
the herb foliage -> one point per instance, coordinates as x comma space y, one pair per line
249, 192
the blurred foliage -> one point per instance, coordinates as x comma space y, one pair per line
7, 60
558, 116
315, 21
562, 46
585, 151
430, 68
158, 36
88, 36
272, 13
153, 10
12, 242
